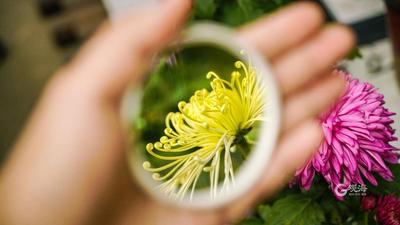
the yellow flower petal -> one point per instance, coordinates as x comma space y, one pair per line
203, 132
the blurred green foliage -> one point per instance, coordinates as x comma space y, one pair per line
234, 12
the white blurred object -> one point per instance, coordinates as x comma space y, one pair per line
118, 7
354, 11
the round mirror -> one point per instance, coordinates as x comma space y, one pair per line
205, 121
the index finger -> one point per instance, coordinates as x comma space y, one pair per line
120, 52
276, 33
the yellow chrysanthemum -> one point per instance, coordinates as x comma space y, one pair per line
203, 132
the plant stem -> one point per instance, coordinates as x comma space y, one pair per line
365, 218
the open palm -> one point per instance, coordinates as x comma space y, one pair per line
69, 166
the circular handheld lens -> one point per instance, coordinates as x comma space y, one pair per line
205, 121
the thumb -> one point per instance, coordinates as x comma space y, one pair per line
121, 51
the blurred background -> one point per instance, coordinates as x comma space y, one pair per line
38, 36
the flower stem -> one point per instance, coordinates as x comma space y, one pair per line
365, 218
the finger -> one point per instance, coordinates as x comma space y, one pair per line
120, 52
298, 67
294, 150
312, 101
279, 32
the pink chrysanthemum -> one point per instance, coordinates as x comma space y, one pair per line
388, 210
357, 140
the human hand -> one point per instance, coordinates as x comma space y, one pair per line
69, 167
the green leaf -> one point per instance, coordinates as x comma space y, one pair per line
335, 209
235, 12
280, 3
205, 9
251, 8
232, 14
272, 5
265, 212
251, 221
296, 210
354, 54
